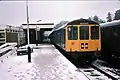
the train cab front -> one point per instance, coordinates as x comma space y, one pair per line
83, 40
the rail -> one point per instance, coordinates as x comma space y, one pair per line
108, 71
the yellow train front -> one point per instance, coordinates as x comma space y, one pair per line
79, 38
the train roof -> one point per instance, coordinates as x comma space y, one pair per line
82, 21
59, 25
113, 23
63, 23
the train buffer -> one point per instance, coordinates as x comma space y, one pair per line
47, 63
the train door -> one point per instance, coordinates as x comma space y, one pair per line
84, 38
95, 40
72, 39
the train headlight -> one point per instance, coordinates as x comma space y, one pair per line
86, 45
82, 45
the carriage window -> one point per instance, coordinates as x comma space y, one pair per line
116, 30
94, 32
2, 39
2, 35
73, 33
84, 32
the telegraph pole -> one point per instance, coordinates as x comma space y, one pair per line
27, 23
28, 49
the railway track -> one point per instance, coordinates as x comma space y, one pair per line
106, 69
93, 74
100, 70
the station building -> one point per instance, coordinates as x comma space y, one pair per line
38, 33
10, 34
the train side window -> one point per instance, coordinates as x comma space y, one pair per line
94, 32
116, 30
72, 32
84, 32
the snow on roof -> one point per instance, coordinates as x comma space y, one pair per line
81, 21
59, 25
2, 26
113, 23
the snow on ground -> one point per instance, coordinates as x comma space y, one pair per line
47, 64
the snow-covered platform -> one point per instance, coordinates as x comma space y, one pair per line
47, 64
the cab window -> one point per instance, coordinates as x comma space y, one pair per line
84, 32
72, 33
94, 32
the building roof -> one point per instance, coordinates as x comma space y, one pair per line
40, 24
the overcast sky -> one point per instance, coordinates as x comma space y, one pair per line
14, 12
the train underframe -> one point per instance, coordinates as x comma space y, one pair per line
84, 58
113, 58
80, 59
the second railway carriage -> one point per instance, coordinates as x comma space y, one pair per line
78, 38
111, 40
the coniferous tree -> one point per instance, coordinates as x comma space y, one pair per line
109, 17
117, 15
96, 19
89, 18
